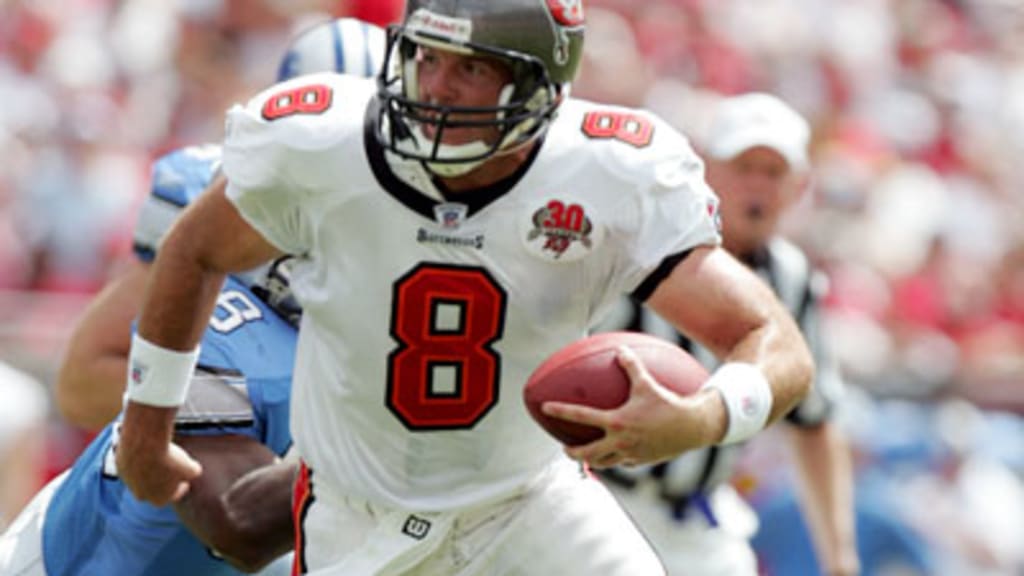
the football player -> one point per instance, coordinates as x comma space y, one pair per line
237, 517
757, 155
86, 522
455, 223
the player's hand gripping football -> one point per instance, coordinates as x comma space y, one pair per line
654, 424
154, 469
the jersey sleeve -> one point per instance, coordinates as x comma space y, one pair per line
177, 178
674, 211
283, 155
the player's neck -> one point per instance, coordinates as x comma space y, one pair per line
490, 172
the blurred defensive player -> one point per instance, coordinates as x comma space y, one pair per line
237, 517
235, 421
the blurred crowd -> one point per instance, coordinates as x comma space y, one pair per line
915, 210
95, 89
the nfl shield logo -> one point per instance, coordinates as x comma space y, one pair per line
450, 214
138, 373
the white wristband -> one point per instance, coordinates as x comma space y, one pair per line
158, 376
747, 396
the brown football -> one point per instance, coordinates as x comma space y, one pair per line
586, 372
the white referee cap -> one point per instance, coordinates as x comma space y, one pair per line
758, 119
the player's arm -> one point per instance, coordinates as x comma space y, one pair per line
766, 367
824, 465
208, 241
821, 451
90, 384
717, 301
240, 506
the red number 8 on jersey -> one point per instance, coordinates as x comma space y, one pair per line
310, 99
445, 375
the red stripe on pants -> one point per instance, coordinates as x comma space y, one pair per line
301, 501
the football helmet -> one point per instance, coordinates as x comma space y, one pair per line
272, 284
541, 41
345, 45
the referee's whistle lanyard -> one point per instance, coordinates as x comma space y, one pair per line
683, 506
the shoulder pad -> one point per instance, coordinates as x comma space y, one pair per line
634, 142
269, 139
306, 113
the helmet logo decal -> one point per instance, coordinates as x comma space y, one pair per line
567, 12
560, 231
458, 30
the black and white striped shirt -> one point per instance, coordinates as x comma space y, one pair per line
800, 288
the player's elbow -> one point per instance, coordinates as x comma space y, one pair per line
790, 369
74, 404
88, 392
802, 373
70, 408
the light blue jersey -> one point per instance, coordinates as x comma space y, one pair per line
94, 525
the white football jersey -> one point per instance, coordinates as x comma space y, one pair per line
424, 313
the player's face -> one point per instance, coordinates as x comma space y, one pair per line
755, 188
449, 79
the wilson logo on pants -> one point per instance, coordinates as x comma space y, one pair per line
416, 527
